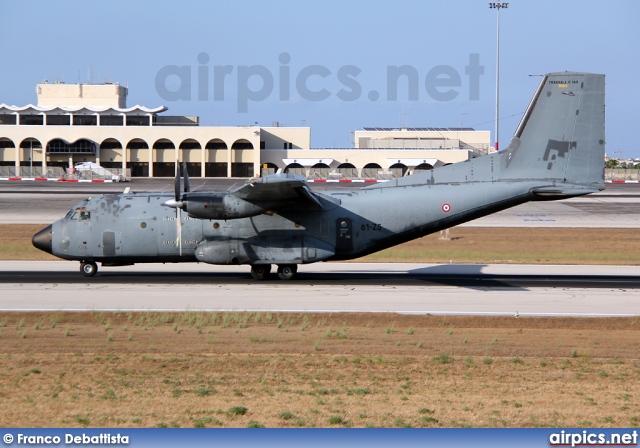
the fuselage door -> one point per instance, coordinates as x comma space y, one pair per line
109, 243
344, 235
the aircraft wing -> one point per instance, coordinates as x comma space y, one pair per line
276, 187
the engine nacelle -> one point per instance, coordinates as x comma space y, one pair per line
219, 206
222, 252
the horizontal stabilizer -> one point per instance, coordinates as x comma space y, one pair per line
558, 193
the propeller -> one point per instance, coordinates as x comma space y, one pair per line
179, 211
187, 187
177, 202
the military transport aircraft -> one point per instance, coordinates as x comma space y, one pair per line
556, 152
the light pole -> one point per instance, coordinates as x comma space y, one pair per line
498, 6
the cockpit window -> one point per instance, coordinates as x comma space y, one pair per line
79, 215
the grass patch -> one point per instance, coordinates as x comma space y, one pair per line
336, 420
254, 424
286, 415
445, 358
237, 410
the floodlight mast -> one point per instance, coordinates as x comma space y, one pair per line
498, 6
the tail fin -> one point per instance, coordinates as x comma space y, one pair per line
561, 136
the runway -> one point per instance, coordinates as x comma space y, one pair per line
525, 290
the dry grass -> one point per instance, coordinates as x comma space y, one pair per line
15, 242
316, 370
467, 245
516, 245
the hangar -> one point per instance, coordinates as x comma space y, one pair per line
91, 123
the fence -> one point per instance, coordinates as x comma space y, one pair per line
114, 174
56, 172
621, 174
50, 172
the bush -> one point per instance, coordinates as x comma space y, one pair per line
336, 420
254, 424
238, 410
445, 358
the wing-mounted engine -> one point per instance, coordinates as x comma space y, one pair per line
221, 205
262, 195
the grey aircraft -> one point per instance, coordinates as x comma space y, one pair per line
557, 152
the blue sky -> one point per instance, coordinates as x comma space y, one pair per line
334, 46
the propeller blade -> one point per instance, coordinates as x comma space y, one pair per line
185, 173
179, 228
177, 184
177, 202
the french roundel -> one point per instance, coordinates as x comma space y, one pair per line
446, 208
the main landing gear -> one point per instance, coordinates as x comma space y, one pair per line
285, 271
88, 268
260, 271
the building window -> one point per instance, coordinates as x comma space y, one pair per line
216, 144
58, 120
137, 120
242, 144
110, 144
31, 119
82, 146
111, 120
7, 119
85, 120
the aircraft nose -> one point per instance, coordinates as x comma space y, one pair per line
42, 239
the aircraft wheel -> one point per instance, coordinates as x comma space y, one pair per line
88, 268
260, 271
287, 271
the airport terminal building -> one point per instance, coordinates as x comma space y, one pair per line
74, 123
